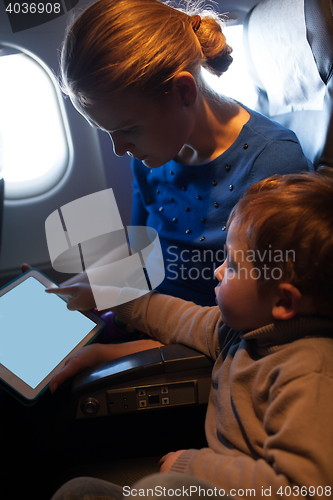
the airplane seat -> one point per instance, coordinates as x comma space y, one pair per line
133, 410
289, 52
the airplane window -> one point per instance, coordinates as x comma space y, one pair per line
236, 82
34, 138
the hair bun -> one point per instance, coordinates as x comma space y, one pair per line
216, 51
220, 64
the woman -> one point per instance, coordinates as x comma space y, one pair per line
133, 69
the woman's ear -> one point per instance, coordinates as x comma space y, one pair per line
185, 86
287, 302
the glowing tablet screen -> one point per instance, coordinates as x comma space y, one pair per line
37, 331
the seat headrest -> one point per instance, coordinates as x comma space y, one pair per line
319, 27
289, 48
282, 58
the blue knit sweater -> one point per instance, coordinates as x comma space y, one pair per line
189, 205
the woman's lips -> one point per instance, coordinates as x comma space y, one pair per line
141, 158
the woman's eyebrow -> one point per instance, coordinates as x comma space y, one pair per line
123, 127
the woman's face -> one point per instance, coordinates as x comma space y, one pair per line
151, 129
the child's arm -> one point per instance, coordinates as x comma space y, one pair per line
167, 319
172, 320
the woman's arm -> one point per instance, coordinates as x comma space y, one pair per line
95, 354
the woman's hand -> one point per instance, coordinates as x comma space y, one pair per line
95, 354
167, 461
78, 296
88, 356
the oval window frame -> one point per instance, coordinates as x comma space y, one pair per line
51, 104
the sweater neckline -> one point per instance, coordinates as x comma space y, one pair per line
282, 332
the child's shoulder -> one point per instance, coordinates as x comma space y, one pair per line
305, 357
320, 351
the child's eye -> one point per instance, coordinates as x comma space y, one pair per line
232, 267
228, 265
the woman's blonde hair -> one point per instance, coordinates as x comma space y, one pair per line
118, 45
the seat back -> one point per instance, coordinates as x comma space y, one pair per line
289, 47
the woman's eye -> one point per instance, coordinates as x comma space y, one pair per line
128, 130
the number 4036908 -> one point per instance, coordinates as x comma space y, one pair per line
304, 491
34, 8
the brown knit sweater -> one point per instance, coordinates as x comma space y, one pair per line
269, 421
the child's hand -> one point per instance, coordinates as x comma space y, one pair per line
79, 296
88, 356
167, 461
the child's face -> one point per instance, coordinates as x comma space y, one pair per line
237, 293
152, 130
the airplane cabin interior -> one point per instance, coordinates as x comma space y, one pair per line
50, 156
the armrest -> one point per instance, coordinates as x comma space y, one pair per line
158, 378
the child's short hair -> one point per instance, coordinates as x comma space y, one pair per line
116, 45
288, 224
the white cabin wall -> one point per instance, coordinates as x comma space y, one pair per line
23, 231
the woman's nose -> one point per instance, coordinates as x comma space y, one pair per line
120, 146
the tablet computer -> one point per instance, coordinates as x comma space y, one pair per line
38, 334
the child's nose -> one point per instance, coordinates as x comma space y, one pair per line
219, 271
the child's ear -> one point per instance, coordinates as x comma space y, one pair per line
287, 301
